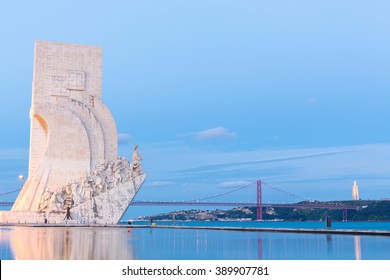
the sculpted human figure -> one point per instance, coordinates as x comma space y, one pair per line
68, 189
92, 185
78, 193
136, 166
59, 199
136, 156
74, 195
116, 166
110, 167
87, 190
124, 164
101, 166
124, 170
45, 201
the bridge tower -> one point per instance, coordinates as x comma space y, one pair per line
259, 202
345, 215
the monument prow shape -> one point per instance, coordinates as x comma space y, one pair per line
74, 169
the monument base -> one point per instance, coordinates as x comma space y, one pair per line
21, 217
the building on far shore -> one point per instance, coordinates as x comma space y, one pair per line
355, 191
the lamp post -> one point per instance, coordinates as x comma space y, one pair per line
21, 179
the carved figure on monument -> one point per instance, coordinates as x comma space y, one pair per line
59, 200
87, 190
77, 192
124, 170
136, 166
45, 201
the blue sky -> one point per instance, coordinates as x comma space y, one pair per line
220, 93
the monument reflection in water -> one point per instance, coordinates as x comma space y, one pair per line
45, 243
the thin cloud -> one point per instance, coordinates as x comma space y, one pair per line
124, 139
215, 133
219, 166
234, 184
161, 183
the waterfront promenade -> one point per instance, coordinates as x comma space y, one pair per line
227, 228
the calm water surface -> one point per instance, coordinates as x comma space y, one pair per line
164, 243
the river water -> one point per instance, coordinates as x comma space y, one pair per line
77, 243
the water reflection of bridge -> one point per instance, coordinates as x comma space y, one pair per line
257, 194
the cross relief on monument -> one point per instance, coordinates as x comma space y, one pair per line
58, 86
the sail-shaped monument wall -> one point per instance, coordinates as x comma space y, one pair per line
74, 170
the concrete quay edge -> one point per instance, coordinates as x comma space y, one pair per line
250, 229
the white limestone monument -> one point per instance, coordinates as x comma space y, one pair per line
355, 191
74, 171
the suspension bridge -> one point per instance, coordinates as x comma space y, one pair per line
8, 198
263, 193
258, 194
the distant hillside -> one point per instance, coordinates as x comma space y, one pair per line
373, 210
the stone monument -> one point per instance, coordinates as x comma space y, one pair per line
355, 191
74, 171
